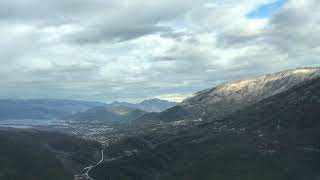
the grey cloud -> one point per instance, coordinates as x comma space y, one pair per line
289, 40
66, 49
96, 20
132, 21
114, 33
231, 40
49, 12
294, 30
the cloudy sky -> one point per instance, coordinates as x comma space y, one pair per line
131, 50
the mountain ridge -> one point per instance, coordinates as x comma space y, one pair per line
61, 108
42, 108
228, 97
148, 105
106, 115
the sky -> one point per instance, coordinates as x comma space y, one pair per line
130, 50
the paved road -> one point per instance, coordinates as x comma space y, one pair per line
93, 166
86, 176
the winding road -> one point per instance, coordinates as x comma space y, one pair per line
89, 168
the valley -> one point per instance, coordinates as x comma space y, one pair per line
240, 130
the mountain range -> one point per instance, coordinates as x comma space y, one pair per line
273, 135
42, 108
229, 97
106, 115
149, 105
213, 103
60, 108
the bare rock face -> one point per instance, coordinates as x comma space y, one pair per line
229, 97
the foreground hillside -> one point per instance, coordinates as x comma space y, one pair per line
38, 155
276, 138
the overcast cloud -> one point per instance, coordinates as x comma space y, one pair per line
130, 50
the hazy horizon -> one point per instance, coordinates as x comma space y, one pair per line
140, 101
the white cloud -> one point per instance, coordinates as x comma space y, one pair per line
131, 50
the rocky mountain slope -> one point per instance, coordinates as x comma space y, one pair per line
275, 138
229, 97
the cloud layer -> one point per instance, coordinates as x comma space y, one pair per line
132, 50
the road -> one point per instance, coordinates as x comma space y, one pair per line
89, 168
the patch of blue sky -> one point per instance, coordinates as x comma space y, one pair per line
266, 10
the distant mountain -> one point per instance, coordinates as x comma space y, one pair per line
62, 109
229, 97
38, 155
276, 138
107, 115
150, 105
119, 112
42, 108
